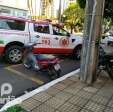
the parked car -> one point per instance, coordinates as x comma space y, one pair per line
108, 38
15, 32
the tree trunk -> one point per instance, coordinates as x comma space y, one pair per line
71, 30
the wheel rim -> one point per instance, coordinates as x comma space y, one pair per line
15, 55
78, 54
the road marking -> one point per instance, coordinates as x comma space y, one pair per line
14, 65
24, 76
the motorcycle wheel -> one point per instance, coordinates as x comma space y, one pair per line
53, 73
110, 71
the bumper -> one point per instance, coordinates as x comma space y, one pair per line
1, 50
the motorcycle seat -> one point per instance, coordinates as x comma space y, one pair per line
44, 57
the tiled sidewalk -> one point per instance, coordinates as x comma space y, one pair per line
71, 95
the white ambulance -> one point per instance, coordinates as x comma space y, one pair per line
15, 32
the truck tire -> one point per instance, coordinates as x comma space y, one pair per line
13, 54
77, 53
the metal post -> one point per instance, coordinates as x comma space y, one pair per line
59, 12
40, 11
35, 9
91, 35
52, 9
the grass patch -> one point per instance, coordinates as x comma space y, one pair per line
15, 109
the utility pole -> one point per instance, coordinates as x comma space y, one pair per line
92, 33
35, 9
59, 12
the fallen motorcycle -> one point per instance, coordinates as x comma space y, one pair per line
40, 62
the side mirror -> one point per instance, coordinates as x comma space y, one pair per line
103, 37
37, 36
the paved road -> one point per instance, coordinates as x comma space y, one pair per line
26, 80
23, 79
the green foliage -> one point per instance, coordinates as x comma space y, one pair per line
15, 109
73, 17
108, 12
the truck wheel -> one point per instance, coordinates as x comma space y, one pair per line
77, 53
13, 54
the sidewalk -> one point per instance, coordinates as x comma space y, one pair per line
71, 95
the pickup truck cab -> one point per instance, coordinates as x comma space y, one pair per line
15, 32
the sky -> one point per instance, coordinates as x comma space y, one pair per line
23, 4
14, 3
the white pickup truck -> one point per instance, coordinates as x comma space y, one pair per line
15, 32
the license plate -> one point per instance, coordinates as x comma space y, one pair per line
57, 67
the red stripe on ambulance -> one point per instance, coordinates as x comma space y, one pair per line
1, 49
53, 50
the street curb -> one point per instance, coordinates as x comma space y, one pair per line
24, 97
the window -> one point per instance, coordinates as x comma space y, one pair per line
12, 24
2, 10
59, 31
41, 28
24, 14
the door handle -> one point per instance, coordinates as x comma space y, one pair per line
37, 36
56, 38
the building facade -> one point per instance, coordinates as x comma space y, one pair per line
47, 8
13, 8
11, 11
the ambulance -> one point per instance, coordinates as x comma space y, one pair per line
16, 31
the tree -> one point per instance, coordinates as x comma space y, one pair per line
73, 17
108, 11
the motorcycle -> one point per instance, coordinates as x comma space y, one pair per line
41, 62
105, 62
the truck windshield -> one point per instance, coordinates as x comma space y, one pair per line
41, 28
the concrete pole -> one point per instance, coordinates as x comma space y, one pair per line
88, 20
92, 33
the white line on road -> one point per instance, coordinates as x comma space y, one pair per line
39, 82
